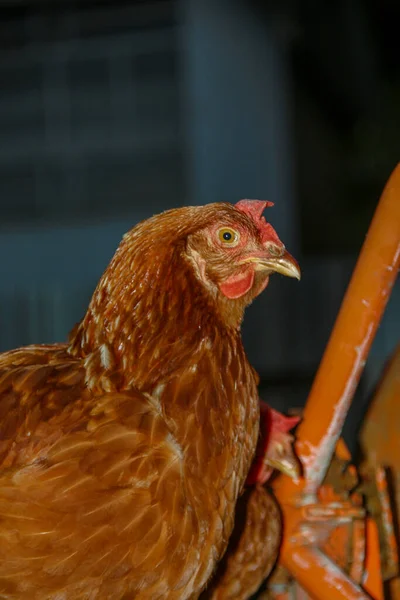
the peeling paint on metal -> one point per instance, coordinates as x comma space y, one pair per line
334, 577
315, 464
300, 562
396, 257
315, 566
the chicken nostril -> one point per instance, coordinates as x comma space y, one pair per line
274, 250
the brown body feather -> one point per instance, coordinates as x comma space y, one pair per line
98, 499
253, 548
254, 544
122, 454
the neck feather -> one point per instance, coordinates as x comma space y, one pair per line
148, 315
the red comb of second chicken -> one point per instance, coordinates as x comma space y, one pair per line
275, 446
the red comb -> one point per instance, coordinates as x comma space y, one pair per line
279, 422
272, 423
255, 209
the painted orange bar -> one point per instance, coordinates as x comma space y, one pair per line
331, 395
373, 573
320, 577
380, 432
351, 338
379, 439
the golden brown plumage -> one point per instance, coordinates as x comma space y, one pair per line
253, 547
254, 544
122, 454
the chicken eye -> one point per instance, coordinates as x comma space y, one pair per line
228, 236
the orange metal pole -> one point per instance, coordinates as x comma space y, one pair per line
380, 432
379, 440
351, 338
373, 578
330, 398
320, 577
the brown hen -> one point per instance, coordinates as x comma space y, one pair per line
254, 545
123, 452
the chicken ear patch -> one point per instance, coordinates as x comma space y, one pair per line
237, 285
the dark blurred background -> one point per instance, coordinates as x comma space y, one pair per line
113, 110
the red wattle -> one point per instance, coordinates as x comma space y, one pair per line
237, 285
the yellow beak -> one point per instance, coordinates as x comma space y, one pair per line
285, 264
288, 466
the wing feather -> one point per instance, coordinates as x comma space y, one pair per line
90, 488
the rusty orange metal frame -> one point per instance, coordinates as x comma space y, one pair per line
327, 407
379, 441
